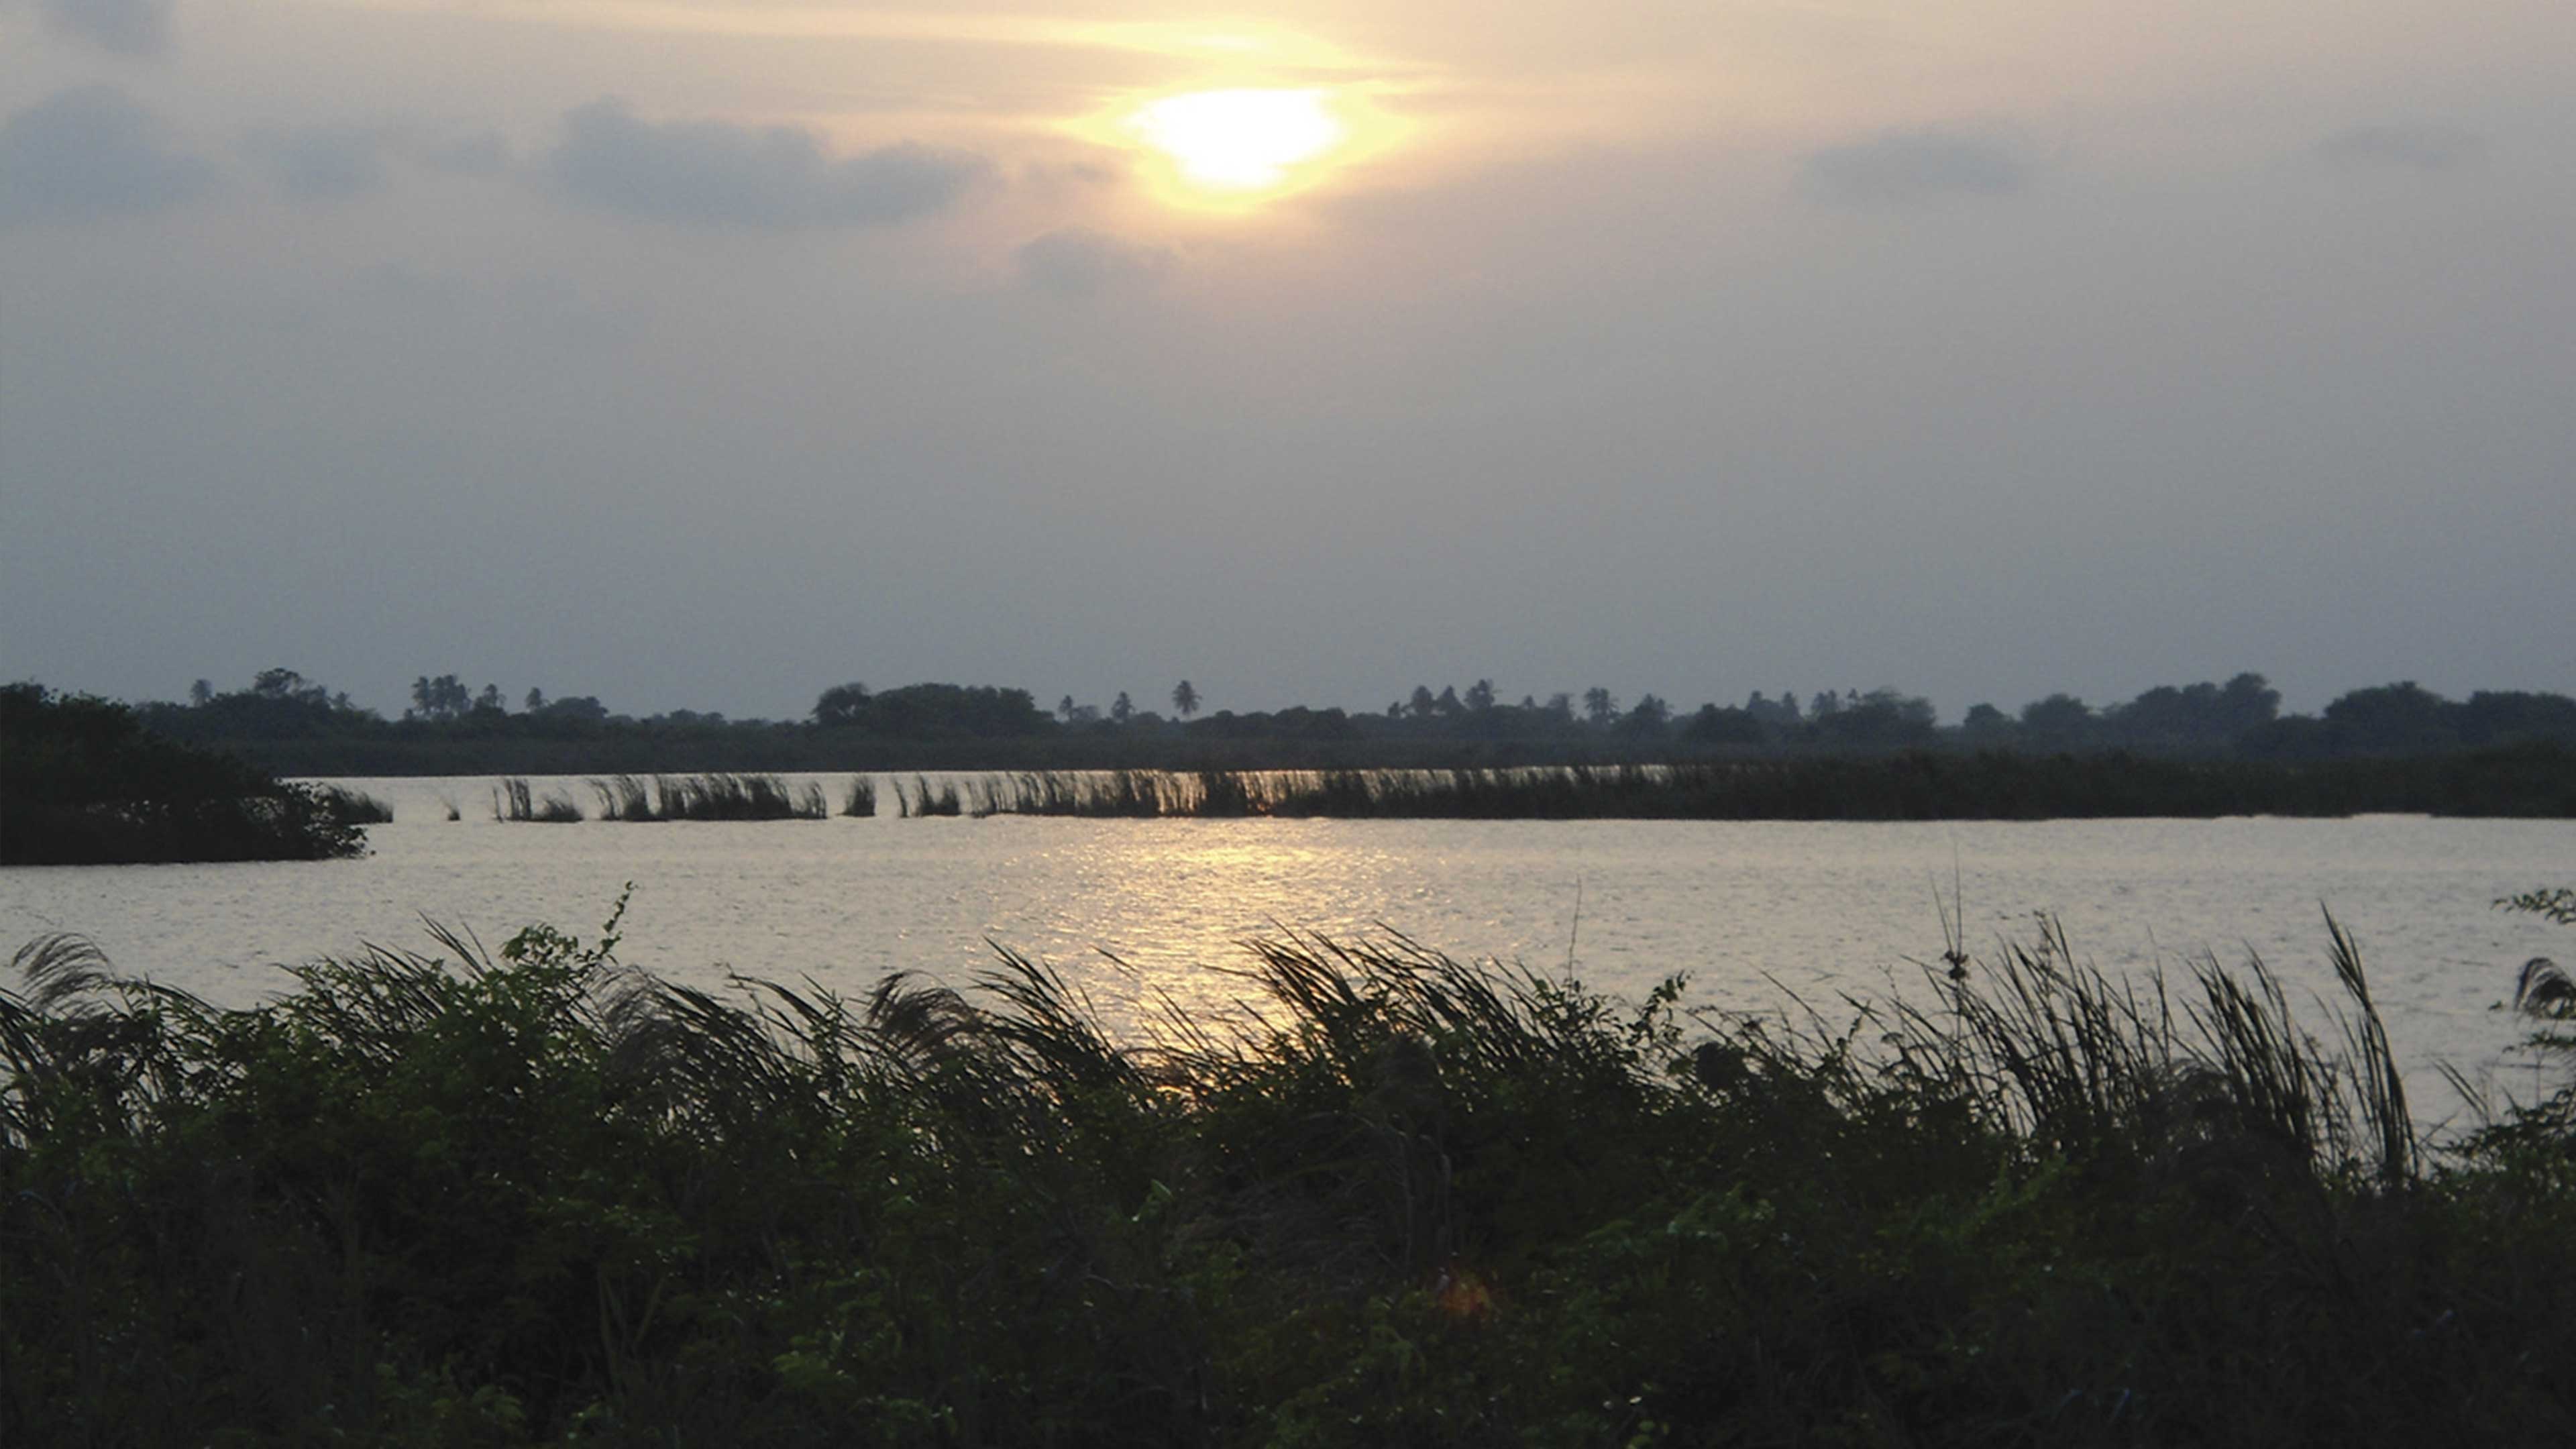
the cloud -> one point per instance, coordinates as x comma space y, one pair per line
714, 174
1076, 261
91, 152
321, 163
130, 27
1914, 166
484, 153
2414, 147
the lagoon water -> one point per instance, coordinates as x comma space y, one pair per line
1751, 911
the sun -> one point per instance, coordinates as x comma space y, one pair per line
1239, 144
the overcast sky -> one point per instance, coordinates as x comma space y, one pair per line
705, 353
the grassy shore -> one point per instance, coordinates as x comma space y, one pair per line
1403, 1199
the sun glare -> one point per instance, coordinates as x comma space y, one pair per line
1237, 143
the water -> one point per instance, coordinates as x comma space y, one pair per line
1750, 911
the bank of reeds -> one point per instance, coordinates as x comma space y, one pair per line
515, 801
353, 807
719, 796
924, 799
860, 799
1400, 1198
1922, 785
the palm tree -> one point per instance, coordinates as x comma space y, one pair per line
1599, 705
1185, 699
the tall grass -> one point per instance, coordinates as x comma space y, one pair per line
1912, 786
860, 799
1394, 1197
708, 797
924, 799
514, 800
353, 807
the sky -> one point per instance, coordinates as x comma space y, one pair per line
707, 353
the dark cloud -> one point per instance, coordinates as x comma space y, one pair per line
2411, 147
321, 163
90, 152
714, 174
1909, 166
131, 27
1077, 262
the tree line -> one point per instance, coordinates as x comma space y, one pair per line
291, 722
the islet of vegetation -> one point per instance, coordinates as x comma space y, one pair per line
83, 782
537, 1197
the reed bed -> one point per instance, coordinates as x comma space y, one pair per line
860, 799
353, 807
1395, 1197
515, 801
1920, 785
708, 797
924, 800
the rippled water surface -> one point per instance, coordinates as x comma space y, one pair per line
1748, 910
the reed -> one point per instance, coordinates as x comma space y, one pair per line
1392, 1197
353, 807
625, 797
708, 797
860, 799
924, 800
515, 801
1918, 785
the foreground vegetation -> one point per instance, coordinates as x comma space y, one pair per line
82, 782
540, 1198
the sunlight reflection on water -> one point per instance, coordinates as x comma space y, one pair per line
1748, 910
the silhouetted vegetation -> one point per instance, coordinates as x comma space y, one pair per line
515, 801
297, 727
925, 799
861, 798
2535, 780
353, 807
82, 782
708, 797
542, 1199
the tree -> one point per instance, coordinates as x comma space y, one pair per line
1122, 709
1648, 718
1599, 706
536, 699
1984, 722
2403, 716
1185, 699
1064, 709
1480, 695
1423, 703
1447, 704
440, 698
842, 704
489, 701
278, 684
201, 693
1716, 726
2060, 720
